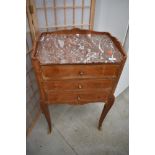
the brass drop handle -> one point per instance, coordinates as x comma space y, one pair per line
78, 97
80, 86
81, 73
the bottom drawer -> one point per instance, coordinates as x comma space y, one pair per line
77, 97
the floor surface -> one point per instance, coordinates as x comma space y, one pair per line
75, 130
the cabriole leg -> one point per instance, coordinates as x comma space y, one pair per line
106, 109
45, 110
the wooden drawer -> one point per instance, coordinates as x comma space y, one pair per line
77, 97
50, 72
78, 85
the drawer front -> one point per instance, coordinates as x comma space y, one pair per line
78, 85
50, 72
77, 97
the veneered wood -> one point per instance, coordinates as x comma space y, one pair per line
77, 97
78, 85
60, 83
79, 71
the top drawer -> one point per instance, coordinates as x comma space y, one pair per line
50, 72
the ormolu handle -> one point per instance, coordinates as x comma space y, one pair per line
81, 73
79, 86
78, 97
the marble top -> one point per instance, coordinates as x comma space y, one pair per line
77, 48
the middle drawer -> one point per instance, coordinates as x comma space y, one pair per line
80, 84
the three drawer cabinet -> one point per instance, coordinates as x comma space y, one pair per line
77, 67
